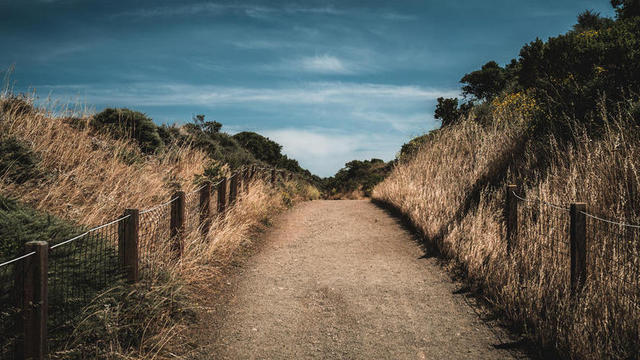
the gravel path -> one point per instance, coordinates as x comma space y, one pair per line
344, 280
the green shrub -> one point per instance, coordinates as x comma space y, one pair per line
19, 224
18, 163
125, 123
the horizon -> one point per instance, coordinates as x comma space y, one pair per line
331, 82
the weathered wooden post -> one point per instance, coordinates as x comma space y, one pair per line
35, 304
222, 195
205, 208
578, 238
273, 176
246, 179
233, 189
177, 223
128, 244
511, 217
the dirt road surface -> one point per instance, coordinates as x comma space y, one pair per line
345, 280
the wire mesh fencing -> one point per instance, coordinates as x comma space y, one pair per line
552, 239
11, 308
79, 269
613, 259
543, 244
153, 238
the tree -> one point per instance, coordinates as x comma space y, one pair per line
447, 111
589, 20
626, 8
261, 147
208, 127
486, 83
125, 123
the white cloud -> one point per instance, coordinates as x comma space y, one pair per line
325, 151
153, 94
325, 64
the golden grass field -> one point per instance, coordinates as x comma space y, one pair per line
453, 191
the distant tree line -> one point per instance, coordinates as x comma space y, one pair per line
235, 150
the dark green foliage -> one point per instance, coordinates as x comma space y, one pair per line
486, 83
268, 151
208, 127
626, 8
19, 224
589, 20
571, 72
357, 175
448, 112
409, 149
18, 163
567, 75
261, 147
125, 123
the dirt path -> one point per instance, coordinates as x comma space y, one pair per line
343, 279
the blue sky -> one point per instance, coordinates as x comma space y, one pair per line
331, 81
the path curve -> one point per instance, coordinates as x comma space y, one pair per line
344, 280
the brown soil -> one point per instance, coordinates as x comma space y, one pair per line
345, 280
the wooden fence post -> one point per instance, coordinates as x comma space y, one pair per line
177, 223
128, 244
511, 217
578, 246
273, 176
233, 189
245, 181
35, 304
222, 195
205, 206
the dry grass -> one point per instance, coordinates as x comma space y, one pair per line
90, 180
453, 192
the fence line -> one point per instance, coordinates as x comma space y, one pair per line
72, 272
604, 254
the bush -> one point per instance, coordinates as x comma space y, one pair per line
19, 224
125, 123
18, 163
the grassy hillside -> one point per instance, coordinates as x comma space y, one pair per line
553, 128
64, 174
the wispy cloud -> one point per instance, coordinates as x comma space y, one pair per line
251, 10
256, 11
154, 94
324, 64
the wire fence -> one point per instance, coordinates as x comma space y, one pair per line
614, 262
543, 236
611, 253
79, 269
11, 308
85, 265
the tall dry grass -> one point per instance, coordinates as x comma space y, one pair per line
453, 192
90, 179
